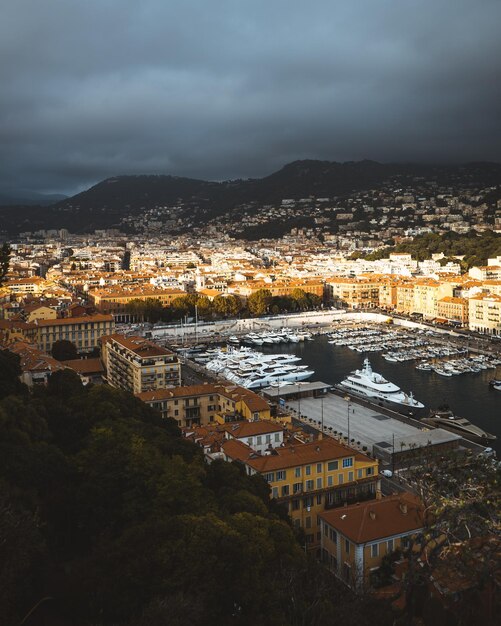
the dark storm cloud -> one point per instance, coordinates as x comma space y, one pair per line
230, 88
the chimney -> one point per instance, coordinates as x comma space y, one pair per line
372, 515
403, 508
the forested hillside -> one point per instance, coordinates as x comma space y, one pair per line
107, 516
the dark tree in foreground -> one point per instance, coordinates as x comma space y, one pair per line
64, 350
4, 261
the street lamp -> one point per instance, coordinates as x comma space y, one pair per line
322, 412
348, 400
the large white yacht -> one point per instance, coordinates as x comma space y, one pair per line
368, 384
252, 369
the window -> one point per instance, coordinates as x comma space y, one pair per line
285, 490
348, 462
319, 498
318, 521
281, 475
332, 465
268, 438
350, 477
297, 487
347, 546
274, 492
332, 535
297, 523
319, 483
308, 503
295, 505
326, 530
391, 545
249, 441
259, 440
308, 470
340, 479
374, 550
308, 522
370, 471
359, 473
405, 542
297, 472
277, 437
270, 477
309, 485
319, 468
330, 481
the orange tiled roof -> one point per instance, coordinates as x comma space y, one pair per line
376, 519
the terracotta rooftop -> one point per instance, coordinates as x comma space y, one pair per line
291, 456
85, 366
75, 320
140, 346
376, 519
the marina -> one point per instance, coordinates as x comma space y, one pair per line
471, 396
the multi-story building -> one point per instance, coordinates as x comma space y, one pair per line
85, 332
485, 314
309, 478
356, 538
355, 293
203, 404
453, 310
116, 300
137, 365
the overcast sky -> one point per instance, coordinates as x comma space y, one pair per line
237, 88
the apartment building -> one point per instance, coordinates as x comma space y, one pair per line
356, 538
137, 365
355, 293
485, 314
203, 404
85, 332
116, 300
453, 309
309, 478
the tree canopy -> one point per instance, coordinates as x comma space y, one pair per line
106, 510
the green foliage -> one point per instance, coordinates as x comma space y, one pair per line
475, 247
4, 261
259, 302
64, 350
107, 510
10, 370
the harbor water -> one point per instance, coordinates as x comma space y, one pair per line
468, 395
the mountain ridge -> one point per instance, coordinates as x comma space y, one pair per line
106, 203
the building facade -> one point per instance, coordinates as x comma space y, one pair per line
309, 478
138, 365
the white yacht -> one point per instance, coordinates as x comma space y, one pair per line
368, 384
253, 369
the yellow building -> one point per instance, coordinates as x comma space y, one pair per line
485, 314
309, 478
355, 293
355, 539
84, 332
39, 312
115, 300
203, 404
137, 365
453, 310
427, 293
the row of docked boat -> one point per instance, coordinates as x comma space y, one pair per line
253, 370
270, 338
455, 367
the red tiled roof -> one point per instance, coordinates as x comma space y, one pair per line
376, 519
